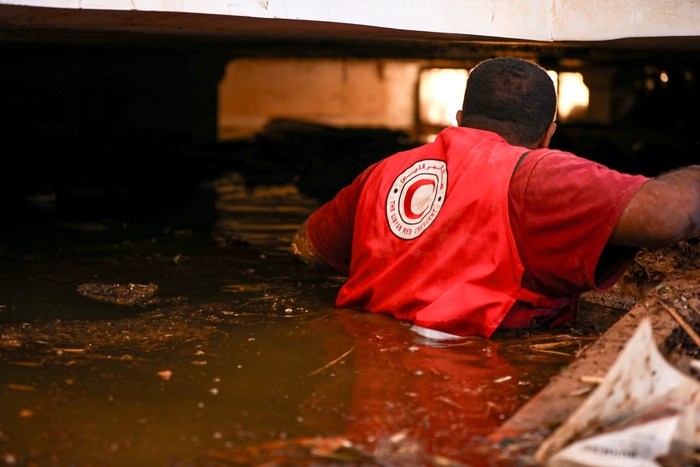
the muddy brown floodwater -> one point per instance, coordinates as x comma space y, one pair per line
233, 354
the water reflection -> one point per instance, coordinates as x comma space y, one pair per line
251, 365
440, 396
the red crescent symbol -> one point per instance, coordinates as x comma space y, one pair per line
409, 198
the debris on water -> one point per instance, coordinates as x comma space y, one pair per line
130, 294
643, 405
398, 449
591, 379
66, 342
401, 449
165, 374
331, 363
500, 380
581, 392
21, 387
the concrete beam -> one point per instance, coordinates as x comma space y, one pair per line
535, 20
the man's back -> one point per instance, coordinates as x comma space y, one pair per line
447, 259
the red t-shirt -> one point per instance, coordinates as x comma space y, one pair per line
562, 210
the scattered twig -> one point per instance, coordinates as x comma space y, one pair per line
553, 352
55, 349
332, 362
451, 402
21, 387
591, 379
125, 357
256, 299
458, 344
672, 311
641, 265
491, 405
680, 297
561, 337
582, 349
550, 345
580, 392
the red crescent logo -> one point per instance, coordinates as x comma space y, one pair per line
420, 187
409, 198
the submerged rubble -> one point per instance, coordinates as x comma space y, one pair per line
130, 294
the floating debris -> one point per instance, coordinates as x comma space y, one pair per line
21, 387
331, 363
397, 449
130, 294
640, 389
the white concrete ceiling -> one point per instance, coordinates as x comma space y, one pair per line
666, 23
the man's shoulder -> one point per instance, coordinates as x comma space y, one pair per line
557, 156
555, 171
557, 161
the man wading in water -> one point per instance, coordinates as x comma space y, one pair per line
487, 227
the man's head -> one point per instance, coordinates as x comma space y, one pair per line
512, 97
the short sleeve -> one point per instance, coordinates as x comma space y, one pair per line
330, 228
563, 209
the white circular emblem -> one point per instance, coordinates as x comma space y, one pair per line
416, 197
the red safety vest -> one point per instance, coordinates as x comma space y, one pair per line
432, 241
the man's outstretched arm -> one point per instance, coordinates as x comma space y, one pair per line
664, 211
331, 229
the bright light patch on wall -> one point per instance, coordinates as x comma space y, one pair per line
573, 96
441, 93
555, 79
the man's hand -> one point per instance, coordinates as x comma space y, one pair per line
664, 211
302, 249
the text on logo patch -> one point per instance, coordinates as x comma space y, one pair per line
415, 198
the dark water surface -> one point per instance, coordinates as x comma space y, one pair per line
241, 358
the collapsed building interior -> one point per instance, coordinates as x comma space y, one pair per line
116, 118
117, 125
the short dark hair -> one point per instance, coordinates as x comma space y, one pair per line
512, 97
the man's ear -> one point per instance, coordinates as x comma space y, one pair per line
459, 118
547, 137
